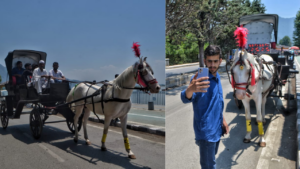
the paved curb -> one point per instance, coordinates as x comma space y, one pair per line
298, 113
147, 129
183, 79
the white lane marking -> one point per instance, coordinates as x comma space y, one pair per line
146, 116
122, 133
58, 158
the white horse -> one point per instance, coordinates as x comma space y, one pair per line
140, 73
241, 69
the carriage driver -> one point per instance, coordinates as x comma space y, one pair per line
40, 77
56, 75
209, 123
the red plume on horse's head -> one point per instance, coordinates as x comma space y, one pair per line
241, 34
136, 49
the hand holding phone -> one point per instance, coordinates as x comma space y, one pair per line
199, 83
203, 72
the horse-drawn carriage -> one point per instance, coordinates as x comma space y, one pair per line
112, 99
21, 94
260, 28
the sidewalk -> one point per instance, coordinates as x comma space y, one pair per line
297, 62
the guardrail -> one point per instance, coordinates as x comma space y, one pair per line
140, 97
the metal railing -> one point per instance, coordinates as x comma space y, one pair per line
140, 97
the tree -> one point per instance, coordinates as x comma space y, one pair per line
285, 41
211, 21
257, 7
296, 33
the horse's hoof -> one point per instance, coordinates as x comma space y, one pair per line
75, 140
88, 143
246, 140
132, 156
103, 149
262, 144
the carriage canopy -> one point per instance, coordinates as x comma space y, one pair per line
268, 18
25, 56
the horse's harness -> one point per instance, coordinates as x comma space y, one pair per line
261, 68
139, 78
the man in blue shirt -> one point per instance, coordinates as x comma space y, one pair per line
208, 106
17, 72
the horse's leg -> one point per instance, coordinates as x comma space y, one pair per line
246, 103
76, 117
259, 119
105, 131
125, 136
85, 120
263, 110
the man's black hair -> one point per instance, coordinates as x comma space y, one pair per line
116, 75
27, 64
55, 63
212, 50
18, 62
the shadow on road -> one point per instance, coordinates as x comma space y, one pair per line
91, 154
234, 146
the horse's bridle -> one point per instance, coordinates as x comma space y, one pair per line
238, 85
140, 79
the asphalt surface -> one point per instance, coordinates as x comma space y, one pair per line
280, 135
56, 148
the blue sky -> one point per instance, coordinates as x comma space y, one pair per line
90, 39
283, 8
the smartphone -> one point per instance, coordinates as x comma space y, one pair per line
202, 72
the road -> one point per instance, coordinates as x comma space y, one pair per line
281, 135
179, 70
186, 69
56, 148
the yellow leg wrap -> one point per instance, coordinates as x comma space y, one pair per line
248, 125
126, 143
103, 138
260, 128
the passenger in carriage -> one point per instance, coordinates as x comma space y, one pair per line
40, 77
34, 66
26, 76
17, 72
56, 75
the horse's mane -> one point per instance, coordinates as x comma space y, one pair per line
118, 82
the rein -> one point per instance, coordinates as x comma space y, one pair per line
138, 78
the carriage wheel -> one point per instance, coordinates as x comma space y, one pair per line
71, 126
36, 123
4, 117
